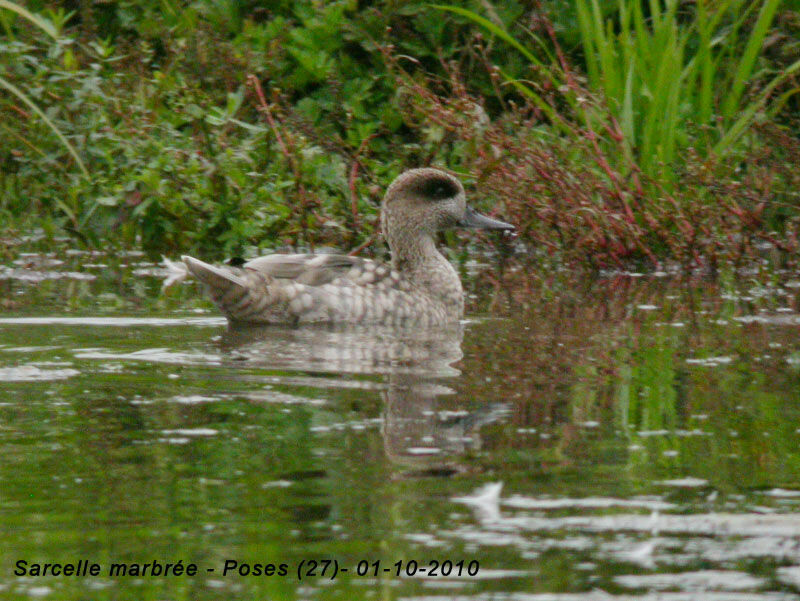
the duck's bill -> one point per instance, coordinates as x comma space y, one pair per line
474, 220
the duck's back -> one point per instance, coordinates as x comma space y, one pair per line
317, 269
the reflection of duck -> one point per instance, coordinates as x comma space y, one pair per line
420, 287
354, 349
416, 363
423, 435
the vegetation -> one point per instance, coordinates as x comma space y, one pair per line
611, 132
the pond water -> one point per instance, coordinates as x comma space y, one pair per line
624, 438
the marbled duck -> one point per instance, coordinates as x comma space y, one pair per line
420, 287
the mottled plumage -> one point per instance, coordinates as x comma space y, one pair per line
419, 287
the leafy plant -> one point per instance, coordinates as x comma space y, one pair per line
53, 31
221, 128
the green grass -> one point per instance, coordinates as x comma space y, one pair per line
662, 76
625, 132
47, 27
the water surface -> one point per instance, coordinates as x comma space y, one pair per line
626, 438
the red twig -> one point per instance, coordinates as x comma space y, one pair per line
366, 243
264, 107
22, 113
353, 175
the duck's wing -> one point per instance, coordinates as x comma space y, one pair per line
315, 270
294, 288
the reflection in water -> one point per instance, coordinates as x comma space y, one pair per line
427, 353
643, 444
418, 433
417, 365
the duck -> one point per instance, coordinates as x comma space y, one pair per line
419, 287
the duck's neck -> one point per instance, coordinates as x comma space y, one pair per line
417, 259
414, 253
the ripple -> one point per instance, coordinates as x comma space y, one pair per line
158, 355
191, 432
113, 321
705, 580
710, 361
32, 373
600, 595
519, 502
31, 275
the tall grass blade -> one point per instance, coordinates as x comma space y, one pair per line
587, 39
751, 52
24, 98
703, 57
40, 22
549, 72
491, 27
537, 100
749, 113
627, 122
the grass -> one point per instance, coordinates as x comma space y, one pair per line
659, 77
631, 136
46, 26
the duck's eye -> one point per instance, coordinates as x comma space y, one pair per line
439, 189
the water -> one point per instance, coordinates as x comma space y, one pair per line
628, 438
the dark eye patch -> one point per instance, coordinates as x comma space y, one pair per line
438, 189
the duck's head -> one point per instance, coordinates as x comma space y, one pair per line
421, 202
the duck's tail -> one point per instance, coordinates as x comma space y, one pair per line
175, 273
241, 295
